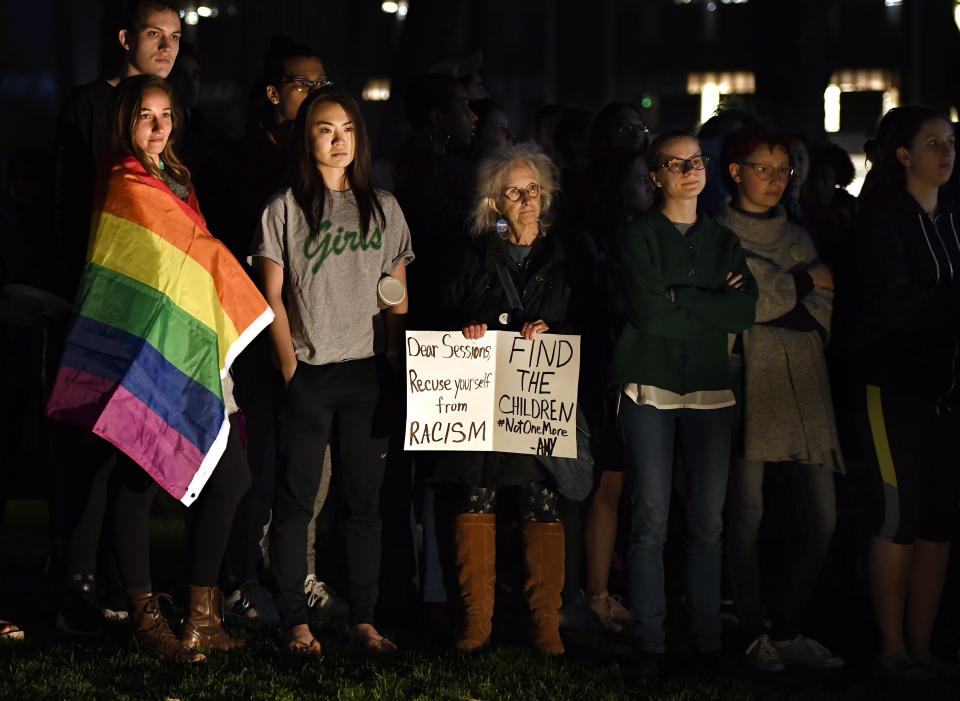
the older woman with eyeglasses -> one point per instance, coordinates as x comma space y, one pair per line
788, 423
685, 285
515, 188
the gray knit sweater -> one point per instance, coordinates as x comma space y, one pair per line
788, 411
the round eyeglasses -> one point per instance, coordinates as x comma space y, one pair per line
765, 171
514, 194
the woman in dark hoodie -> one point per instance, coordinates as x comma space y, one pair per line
904, 309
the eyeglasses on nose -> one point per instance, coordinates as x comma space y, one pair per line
302, 84
679, 166
515, 193
765, 171
633, 128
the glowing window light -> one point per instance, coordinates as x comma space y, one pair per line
390, 7
891, 99
709, 101
204, 11
191, 17
831, 109
377, 90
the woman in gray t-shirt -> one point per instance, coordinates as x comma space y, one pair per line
324, 242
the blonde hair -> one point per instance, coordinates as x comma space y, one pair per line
490, 181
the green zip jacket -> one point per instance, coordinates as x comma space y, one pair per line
679, 306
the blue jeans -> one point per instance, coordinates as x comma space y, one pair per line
811, 485
704, 436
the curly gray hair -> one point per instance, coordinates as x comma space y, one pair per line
490, 183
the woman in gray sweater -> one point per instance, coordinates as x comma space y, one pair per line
788, 423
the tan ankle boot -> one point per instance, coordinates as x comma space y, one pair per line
476, 537
152, 635
543, 552
204, 625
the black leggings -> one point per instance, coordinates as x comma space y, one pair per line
209, 519
537, 501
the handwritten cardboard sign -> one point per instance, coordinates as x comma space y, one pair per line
500, 392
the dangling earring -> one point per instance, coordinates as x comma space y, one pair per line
502, 226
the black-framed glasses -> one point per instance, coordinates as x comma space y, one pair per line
514, 194
765, 171
633, 128
302, 84
680, 166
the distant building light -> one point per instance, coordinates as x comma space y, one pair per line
204, 11
682, 2
231, 10
711, 6
377, 90
831, 109
734, 2
891, 99
182, 13
729, 82
403, 7
390, 7
709, 101
892, 3
954, 115
956, 14
191, 17
646, 103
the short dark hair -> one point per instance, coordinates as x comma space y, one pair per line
283, 49
745, 141
427, 92
834, 156
136, 10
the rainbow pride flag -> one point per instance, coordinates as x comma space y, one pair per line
163, 310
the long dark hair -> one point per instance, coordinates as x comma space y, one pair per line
308, 187
897, 128
126, 115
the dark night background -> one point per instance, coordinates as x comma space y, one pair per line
535, 52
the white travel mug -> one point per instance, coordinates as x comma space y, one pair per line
390, 291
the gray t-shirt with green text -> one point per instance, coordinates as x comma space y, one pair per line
331, 275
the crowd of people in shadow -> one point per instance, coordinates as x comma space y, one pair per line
757, 346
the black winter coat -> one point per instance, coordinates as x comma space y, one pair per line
477, 295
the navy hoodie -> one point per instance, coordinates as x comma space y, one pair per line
900, 307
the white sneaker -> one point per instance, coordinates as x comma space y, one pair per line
250, 600
761, 654
322, 597
807, 652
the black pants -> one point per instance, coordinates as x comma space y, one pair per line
208, 520
348, 392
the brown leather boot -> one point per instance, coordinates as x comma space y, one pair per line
476, 537
152, 635
543, 552
204, 625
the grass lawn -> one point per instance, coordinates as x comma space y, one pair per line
49, 666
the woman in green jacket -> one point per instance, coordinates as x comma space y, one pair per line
686, 285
